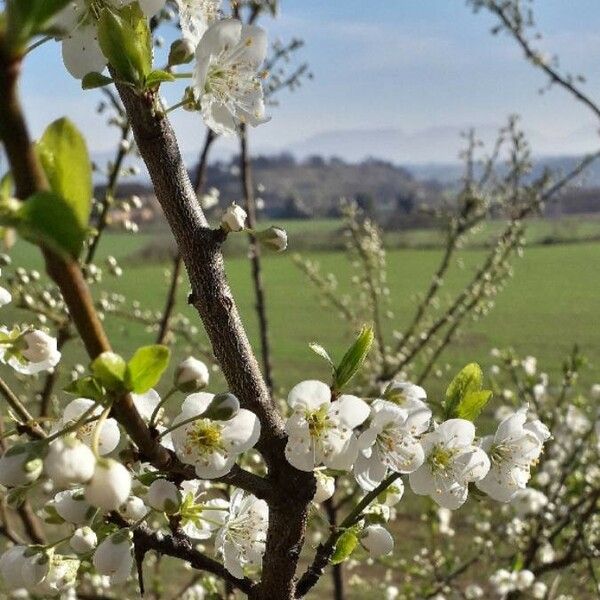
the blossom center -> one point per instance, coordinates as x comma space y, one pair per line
204, 436
318, 422
441, 457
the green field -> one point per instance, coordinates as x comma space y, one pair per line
551, 303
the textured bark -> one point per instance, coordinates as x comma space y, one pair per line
200, 248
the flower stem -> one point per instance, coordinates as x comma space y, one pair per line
176, 106
160, 404
38, 44
98, 429
178, 425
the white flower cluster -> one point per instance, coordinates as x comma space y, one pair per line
228, 55
440, 459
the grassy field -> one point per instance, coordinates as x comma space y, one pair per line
551, 303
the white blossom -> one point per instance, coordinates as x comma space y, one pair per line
377, 540
191, 375
539, 590
30, 352
241, 539
83, 540
133, 508
512, 450
195, 16
390, 442
201, 515
11, 566
109, 436
113, 557
146, 403
524, 579
69, 461
212, 446
80, 48
529, 365
62, 575
35, 568
321, 431
325, 487
452, 461
110, 485
5, 297
20, 465
226, 78
163, 496
234, 218
71, 505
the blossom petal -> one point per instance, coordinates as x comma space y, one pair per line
351, 410
81, 51
254, 40
242, 431
309, 395
369, 472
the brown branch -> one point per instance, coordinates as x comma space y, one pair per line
532, 55
171, 300
200, 248
255, 260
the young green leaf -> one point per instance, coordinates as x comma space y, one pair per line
146, 367
320, 351
48, 219
155, 78
353, 359
86, 387
94, 80
465, 397
109, 369
472, 404
125, 40
344, 547
64, 156
6, 186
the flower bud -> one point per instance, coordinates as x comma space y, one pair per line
20, 465
69, 461
234, 219
377, 541
71, 506
223, 407
83, 540
325, 487
11, 565
181, 52
164, 496
113, 556
41, 351
5, 297
35, 568
133, 508
273, 238
524, 579
110, 485
191, 375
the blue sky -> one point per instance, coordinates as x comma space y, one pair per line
398, 64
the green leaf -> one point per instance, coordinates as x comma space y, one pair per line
86, 387
353, 359
126, 42
146, 367
109, 369
64, 156
94, 80
6, 186
27, 18
472, 404
155, 78
320, 351
344, 547
465, 397
50, 220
